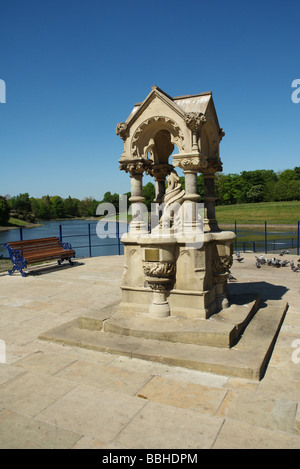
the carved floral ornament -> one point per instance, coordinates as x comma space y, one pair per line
196, 163
159, 269
159, 275
222, 264
160, 171
195, 120
135, 167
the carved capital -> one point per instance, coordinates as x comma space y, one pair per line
195, 120
135, 167
212, 167
122, 130
195, 163
160, 171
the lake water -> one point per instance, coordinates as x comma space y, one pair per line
81, 234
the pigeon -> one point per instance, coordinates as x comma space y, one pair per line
239, 259
284, 252
258, 265
231, 278
263, 260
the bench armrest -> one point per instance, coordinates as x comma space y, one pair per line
17, 258
65, 245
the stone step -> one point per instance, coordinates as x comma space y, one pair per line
248, 359
220, 330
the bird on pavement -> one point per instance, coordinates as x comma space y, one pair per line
231, 278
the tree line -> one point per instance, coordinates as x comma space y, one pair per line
246, 187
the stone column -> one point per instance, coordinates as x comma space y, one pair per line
136, 168
191, 166
191, 198
195, 121
160, 171
210, 222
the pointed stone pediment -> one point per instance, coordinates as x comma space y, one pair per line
158, 101
160, 123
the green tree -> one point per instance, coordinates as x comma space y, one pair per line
256, 193
87, 207
297, 172
4, 211
149, 194
21, 205
112, 199
71, 207
57, 207
287, 175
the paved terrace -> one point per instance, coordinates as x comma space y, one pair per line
58, 396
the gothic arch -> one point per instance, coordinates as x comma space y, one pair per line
157, 136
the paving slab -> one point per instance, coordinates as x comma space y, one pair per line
238, 435
30, 392
158, 426
22, 432
184, 395
106, 377
88, 411
259, 409
49, 363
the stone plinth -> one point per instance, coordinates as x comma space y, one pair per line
198, 285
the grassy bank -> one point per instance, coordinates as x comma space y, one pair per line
16, 223
272, 212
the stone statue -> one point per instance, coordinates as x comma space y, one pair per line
172, 200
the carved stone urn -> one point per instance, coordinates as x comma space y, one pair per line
160, 277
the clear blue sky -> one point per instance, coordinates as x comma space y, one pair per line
74, 68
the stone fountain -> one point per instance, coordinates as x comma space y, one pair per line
179, 267
175, 306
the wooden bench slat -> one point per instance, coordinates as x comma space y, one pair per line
48, 255
34, 241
